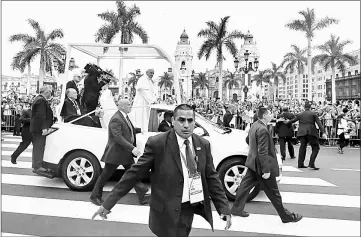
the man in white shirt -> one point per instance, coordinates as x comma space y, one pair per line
178, 159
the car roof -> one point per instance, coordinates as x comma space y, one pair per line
164, 107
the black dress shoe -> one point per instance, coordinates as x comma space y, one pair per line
13, 160
313, 168
294, 218
240, 213
293, 157
302, 166
96, 201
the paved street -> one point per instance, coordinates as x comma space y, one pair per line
329, 200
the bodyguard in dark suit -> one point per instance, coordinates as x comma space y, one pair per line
41, 121
166, 124
25, 135
285, 133
227, 118
171, 156
307, 133
120, 150
262, 167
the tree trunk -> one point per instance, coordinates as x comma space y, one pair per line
28, 83
333, 85
299, 88
220, 82
309, 76
41, 73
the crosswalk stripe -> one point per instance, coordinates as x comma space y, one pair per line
287, 168
271, 224
287, 197
12, 234
285, 179
339, 169
6, 145
9, 153
12, 140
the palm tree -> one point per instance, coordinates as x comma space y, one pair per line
166, 81
19, 63
309, 25
333, 57
231, 81
201, 81
217, 36
262, 76
41, 45
276, 75
123, 22
133, 80
295, 60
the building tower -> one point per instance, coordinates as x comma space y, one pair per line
251, 46
183, 61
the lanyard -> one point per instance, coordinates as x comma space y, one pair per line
185, 161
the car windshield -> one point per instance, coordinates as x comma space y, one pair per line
215, 126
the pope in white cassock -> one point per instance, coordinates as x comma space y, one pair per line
144, 97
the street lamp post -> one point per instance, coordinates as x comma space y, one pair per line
192, 79
247, 68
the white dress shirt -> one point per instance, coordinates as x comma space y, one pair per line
182, 149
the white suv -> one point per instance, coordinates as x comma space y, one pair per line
73, 152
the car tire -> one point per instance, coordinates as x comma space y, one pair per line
226, 170
80, 171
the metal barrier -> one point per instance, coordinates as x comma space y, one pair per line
9, 122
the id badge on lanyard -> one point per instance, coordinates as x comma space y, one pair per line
195, 186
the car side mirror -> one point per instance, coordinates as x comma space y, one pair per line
199, 131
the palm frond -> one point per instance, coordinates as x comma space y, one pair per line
325, 22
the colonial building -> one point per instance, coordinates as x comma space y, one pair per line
19, 84
319, 78
183, 61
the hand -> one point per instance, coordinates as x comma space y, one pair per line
228, 219
266, 175
136, 151
45, 131
324, 136
102, 212
286, 121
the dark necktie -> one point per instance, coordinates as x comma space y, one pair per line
191, 164
131, 128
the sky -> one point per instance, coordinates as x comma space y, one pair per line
165, 21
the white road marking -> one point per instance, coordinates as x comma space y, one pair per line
306, 181
339, 169
287, 197
9, 153
140, 214
317, 199
12, 140
20, 164
6, 145
287, 168
12, 234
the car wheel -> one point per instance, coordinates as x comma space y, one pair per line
80, 171
231, 173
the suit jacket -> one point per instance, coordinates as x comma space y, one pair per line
162, 156
25, 120
41, 116
307, 120
285, 130
164, 126
119, 147
262, 154
72, 84
227, 118
69, 112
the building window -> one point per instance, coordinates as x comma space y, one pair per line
356, 72
336, 75
349, 73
